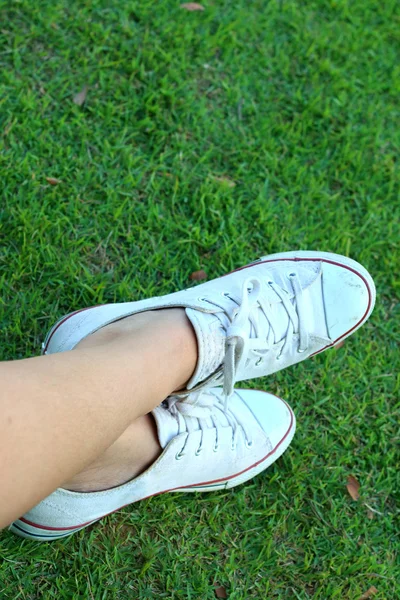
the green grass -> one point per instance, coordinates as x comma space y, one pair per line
207, 140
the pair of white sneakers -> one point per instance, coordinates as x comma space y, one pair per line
261, 318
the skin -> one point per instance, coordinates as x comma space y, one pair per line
80, 419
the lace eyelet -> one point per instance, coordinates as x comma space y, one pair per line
259, 361
197, 453
278, 357
215, 448
270, 282
291, 275
201, 299
249, 444
301, 351
178, 456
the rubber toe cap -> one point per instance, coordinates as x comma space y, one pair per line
349, 297
274, 416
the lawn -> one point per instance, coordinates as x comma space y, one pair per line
208, 139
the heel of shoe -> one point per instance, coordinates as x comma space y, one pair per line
46, 343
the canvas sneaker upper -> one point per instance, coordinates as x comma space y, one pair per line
206, 447
255, 321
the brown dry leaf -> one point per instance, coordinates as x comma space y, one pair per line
53, 180
339, 345
225, 180
80, 97
192, 6
370, 514
198, 275
220, 591
370, 592
352, 487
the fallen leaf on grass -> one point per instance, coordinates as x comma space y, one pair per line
225, 180
220, 591
352, 487
370, 514
192, 6
53, 180
80, 97
198, 275
370, 592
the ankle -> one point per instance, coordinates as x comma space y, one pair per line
134, 451
165, 328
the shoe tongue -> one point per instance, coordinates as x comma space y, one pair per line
311, 281
278, 316
210, 328
167, 425
210, 336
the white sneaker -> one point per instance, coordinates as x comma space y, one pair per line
206, 447
257, 320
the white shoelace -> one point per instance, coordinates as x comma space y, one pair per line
240, 346
205, 405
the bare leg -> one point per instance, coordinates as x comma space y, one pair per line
59, 413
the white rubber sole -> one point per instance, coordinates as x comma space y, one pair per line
31, 531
